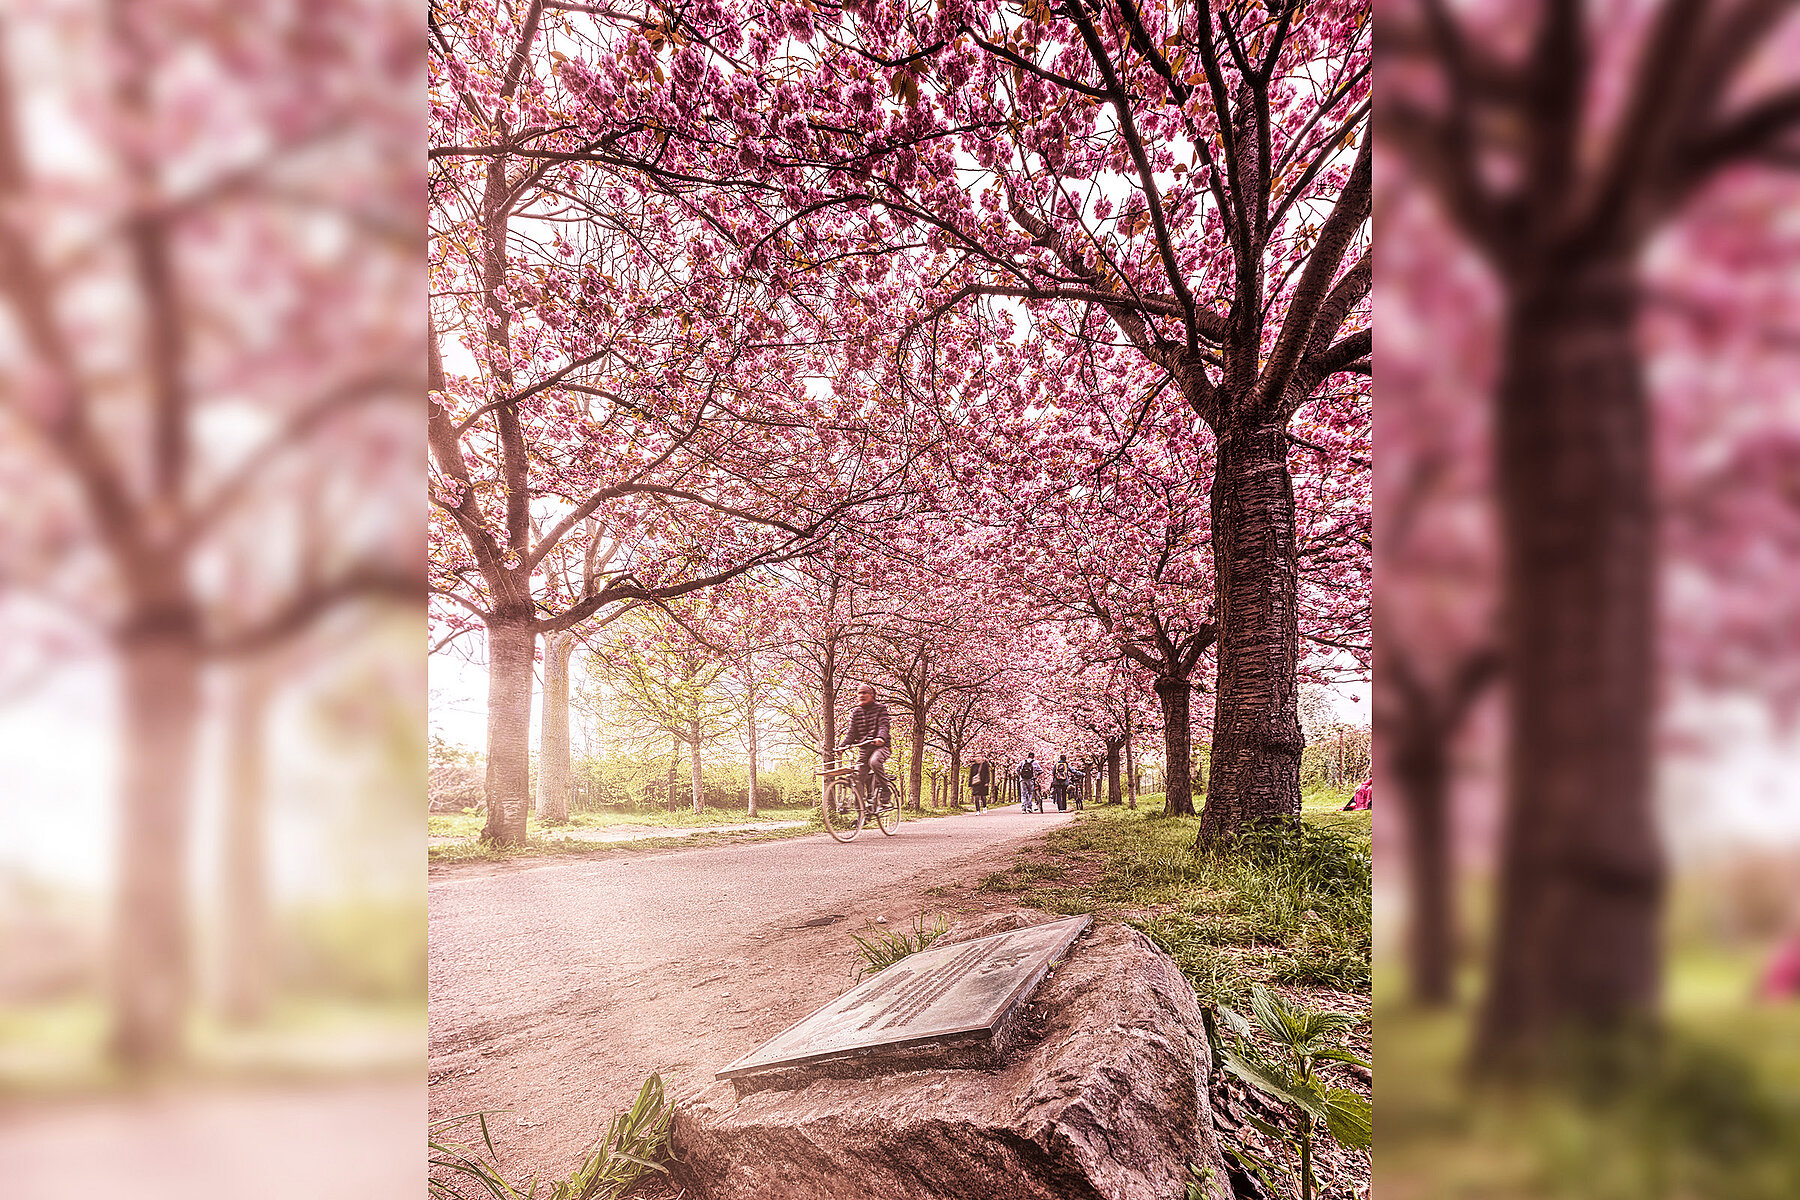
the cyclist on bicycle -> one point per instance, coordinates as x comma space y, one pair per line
868, 724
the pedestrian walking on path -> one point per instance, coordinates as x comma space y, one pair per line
981, 778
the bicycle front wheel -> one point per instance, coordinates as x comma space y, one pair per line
842, 810
887, 810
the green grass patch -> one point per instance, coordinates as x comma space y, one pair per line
467, 824
1287, 906
878, 949
541, 842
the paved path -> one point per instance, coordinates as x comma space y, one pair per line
556, 987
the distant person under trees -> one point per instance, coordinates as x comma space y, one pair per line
981, 777
1059, 783
1361, 800
1027, 779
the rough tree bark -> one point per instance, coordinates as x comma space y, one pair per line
1178, 795
1582, 874
554, 767
1131, 780
1257, 740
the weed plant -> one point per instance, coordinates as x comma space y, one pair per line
634, 1146
880, 949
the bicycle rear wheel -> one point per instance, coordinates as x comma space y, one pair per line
842, 810
887, 809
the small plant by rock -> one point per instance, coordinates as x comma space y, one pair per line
1289, 1076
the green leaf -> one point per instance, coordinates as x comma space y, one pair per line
1283, 1024
1272, 1081
1239, 1024
1350, 1117
1340, 1054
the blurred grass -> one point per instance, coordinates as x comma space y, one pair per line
58, 1047
1715, 1115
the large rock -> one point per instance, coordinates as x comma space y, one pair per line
1100, 1092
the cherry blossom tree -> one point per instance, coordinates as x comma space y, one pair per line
208, 238
626, 389
1185, 192
1559, 146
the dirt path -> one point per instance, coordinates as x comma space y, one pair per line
557, 987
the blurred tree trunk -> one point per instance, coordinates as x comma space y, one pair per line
150, 979
1581, 876
244, 906
674, 773
554, 766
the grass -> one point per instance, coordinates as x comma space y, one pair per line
467, 824
1290, 911
878, 949
540, 842
636, 1143
1715, 1116
59, 1047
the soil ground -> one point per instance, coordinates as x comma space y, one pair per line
558, 985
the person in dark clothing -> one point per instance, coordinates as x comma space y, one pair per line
981, 778
1027, 780
868, 723
1059, 783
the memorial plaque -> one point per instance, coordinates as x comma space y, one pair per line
944, 996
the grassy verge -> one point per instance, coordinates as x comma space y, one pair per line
1286, 914
550, 841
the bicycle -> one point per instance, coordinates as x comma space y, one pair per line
844, 806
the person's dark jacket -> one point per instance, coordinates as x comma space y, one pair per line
981, 774
868, 721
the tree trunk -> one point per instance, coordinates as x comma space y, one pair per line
244, 907
674, 773
1257, 741
1423, 776
1112, 772
827, 724
956, 778
917, 766
554, 768
1582, 876
751, 731
699, 791
150, 984
1131, 778
1178, 796
512, 647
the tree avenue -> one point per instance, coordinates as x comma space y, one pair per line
996, 343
